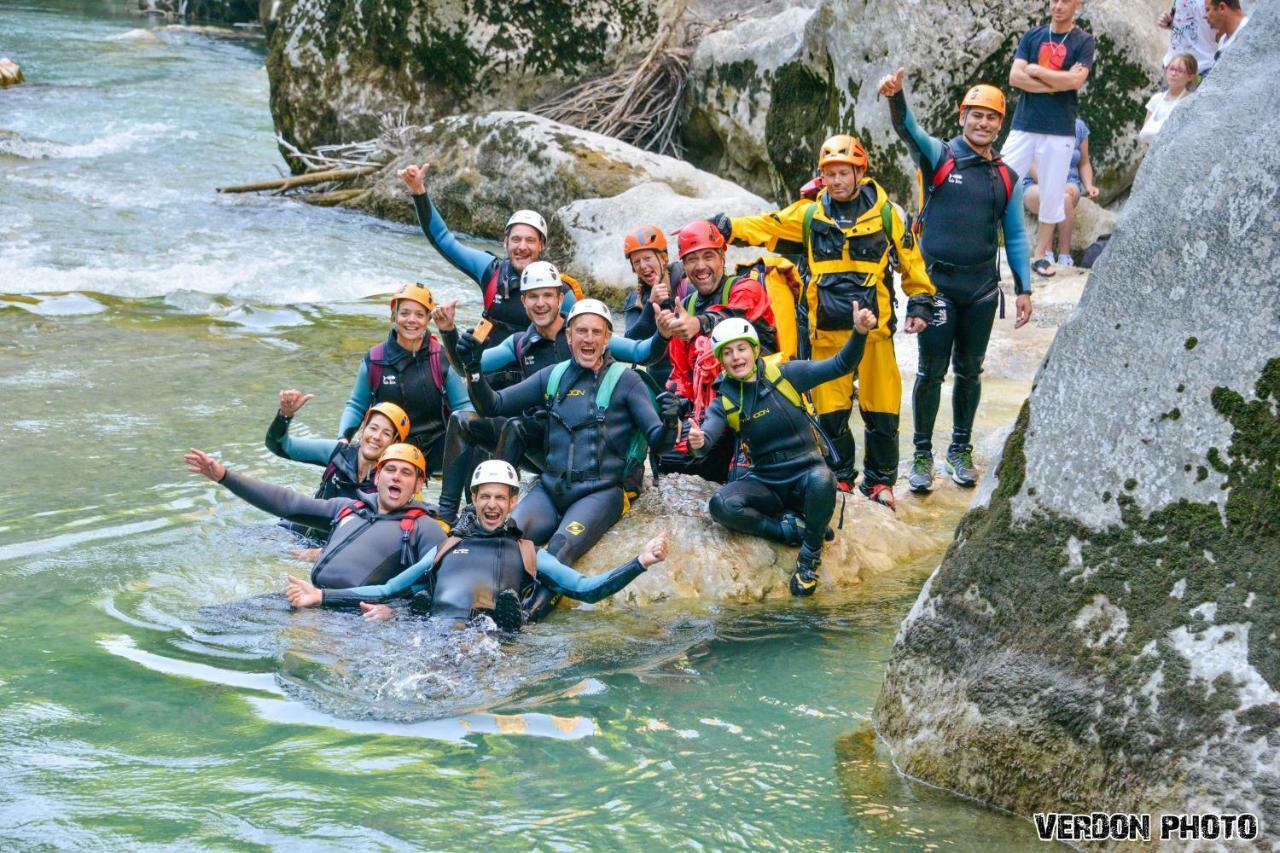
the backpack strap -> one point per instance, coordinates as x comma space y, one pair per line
377, 353
407, 523
732, 413
1007, 178
529, 554
807, 227
944, 170
604, 393
553, 381
349, 509
491, 284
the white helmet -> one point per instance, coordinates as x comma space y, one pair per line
528, 217
495, 471
539, 274
733, 329
590, 306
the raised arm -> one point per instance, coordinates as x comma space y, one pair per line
925, 150
714, 425
282, 502
781, 231
566, 581
806, 375
525, 394
472, 263
632, 351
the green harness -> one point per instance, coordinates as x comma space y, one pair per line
639, 445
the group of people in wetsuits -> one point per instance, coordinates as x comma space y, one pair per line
743, 376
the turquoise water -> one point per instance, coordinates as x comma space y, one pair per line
155, 694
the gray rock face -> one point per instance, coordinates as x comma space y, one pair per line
1102, 635
336, 65
764, 94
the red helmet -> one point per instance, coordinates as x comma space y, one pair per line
645, 237
700, 234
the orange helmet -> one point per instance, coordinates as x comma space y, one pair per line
413, 292
985, 96
645, 237
399, 419
700, 234
404, 453
842, 148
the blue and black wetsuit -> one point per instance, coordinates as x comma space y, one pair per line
341, 461
787, 469
960, 239
641, 322
579, 494
489, 562
408, 380
364, 547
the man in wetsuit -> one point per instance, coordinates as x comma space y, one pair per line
487, 566
348, 467
968, 197
372, 539
524, 238
543, 344
788, 492
852, 237
600, 417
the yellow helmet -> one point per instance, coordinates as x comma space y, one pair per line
985, 96
398, 417
413, 292
842, 148
404, 453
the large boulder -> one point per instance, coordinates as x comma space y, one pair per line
1102, 634
336, 65
764, 93
589, 186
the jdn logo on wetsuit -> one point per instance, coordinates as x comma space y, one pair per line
576, 392
760, 414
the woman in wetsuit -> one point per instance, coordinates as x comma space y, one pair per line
788, 493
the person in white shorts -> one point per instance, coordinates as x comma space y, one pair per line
1051, 64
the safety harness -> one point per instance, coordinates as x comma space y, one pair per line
407, 522
435, 361
771, 376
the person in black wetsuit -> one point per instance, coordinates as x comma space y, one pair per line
373, 538
487, 566
600, 417
969, 198
656, 279
348, 467
789, 492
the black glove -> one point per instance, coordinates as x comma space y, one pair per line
669, 406
723, 225
469, 350
921, 305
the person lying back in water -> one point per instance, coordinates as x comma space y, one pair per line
485, 567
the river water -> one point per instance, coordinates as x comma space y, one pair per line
156, 693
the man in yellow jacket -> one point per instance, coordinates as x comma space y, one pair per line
853, 237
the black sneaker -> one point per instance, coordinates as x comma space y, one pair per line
506, 613
921, 479
960, 467
804, 581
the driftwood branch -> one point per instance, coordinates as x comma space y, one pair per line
304, 180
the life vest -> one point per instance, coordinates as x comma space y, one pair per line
342, 474
770, 374
435, 360
481, 587
940, 175
407, 522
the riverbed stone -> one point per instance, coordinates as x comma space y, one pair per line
764, 93
1102, 634
10, 73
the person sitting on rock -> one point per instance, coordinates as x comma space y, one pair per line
1079, 185
656, 278
348, 467
410, 370
851, 237
371, 539
788, 493
959, 227
601, 419
486, 566
545, 343
524, 238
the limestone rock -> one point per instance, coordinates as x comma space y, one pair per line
336, 65
765, 93
10, 73
1102, 635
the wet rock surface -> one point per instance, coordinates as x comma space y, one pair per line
1102, 633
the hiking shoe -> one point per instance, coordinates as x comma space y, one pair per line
506, 613
879, 493
960, 467
804, 580
1065, 260
1043, 267
921, 479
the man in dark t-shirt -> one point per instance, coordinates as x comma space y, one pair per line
1051, 64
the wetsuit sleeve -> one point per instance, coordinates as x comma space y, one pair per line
358, 403
498, 357
563, 580
927, 151
402, 584
472, 263
455, 388
645, 416
714, 425
1017, 244
781, 231
525, 394
806, 375
282, 502
631, 351
646, 324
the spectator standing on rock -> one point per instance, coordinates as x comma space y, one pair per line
1179, 75
1051, 64
1079, 185
1227, 19
1189, 33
